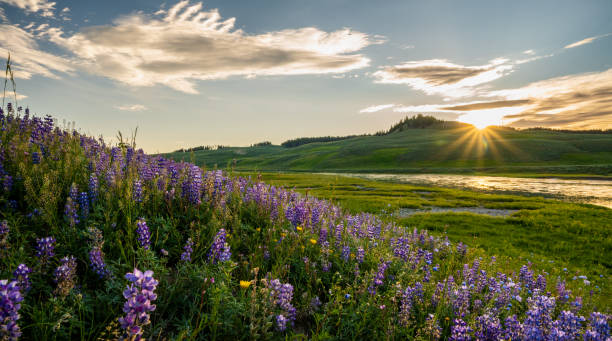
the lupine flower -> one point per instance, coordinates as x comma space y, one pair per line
220, 250
460, 331
380, 276
346, 252
45, 248
360, 255
599, 328
10, 299
143, 234
137, 191
513, 329
281, 322
538, 322
488, 327
35, 158
96, 259
139, 294
65, 275
21, 276
84, 204
93, 187
186, 255
281, 295
566, 327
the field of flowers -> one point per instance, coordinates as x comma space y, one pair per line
106, 242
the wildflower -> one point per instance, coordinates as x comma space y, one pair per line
163, 252
299, 229
186, 255
566, 327
21, 276
220, 250
360, 255
84, 204
10, 299
346, 251
45, 248
93, 187
142, 230
313, 241
245, 284
139, 294
598, 328
432, 328
281, 322
96, 259
65, 276
460, 331
137, 191
35, 158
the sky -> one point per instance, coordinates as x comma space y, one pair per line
187, 73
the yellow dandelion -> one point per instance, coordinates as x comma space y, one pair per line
299, 228
275, 240
313, 241
244, 284
258, 229
283, 234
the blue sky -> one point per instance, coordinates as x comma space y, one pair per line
241, 72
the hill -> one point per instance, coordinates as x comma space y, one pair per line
430, 149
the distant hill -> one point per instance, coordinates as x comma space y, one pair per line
425, 144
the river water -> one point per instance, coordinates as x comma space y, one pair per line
596, 192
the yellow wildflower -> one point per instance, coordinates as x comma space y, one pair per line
299, 228
258, 229
244, 284
313, 241
283, 234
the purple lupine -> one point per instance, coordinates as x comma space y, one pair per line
281, 295
143, 234
84, 204
10, 298
460, 331
220, 250
346, 253
139, 295
96, 260
380, 276
137, 191
7, 183
598, 328
538, 322
45, 248
65, 275
186, 255
281, 322
35, 158
360, 255
21, 276
93, 187
513, 329
526, 277
567, 327
488, 327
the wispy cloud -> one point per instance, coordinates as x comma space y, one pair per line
376, 108
586, 41
45, 7
439, 76
29, 59
186, 43
132, 107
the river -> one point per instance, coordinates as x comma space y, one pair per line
596, 192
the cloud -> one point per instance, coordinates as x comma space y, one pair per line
3, 17
186, 43
439, 76
132, 107
28, 59
376, 108
586, 41
45, 7
487, 105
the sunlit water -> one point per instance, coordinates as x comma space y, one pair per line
596, 192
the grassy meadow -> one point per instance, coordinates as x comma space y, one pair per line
493, 150
548, 232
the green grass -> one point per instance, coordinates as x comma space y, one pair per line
547, 232
493, 151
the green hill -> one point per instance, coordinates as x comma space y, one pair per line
438, 150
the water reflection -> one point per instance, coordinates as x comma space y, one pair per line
597, 192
